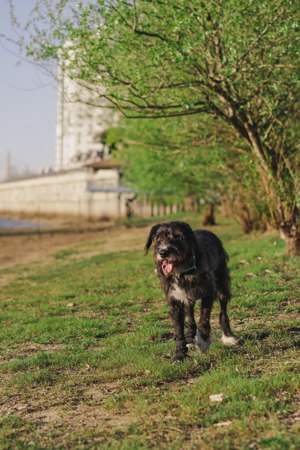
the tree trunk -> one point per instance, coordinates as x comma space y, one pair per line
282, 208
209, 215
226, 207
292, 239
152, 209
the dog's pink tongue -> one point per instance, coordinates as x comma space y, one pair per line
167, 267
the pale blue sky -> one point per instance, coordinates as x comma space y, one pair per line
27, 103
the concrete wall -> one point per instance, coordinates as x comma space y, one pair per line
65, 194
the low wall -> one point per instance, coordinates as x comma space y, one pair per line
65, 194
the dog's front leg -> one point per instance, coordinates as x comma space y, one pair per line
202, 339
190, 324
177, 319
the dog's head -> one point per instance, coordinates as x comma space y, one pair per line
173, 243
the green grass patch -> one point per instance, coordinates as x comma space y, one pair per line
86, 345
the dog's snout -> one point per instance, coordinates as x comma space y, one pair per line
168, 251
165, 252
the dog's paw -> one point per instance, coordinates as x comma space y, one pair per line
191, 345
178, 357
230, 341
201, 343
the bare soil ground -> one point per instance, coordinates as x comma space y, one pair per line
19, 249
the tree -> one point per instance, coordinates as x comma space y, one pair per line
173, 158
168, 160
238, 61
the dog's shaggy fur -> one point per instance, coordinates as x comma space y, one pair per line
191, 266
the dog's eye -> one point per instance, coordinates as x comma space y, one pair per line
178, 238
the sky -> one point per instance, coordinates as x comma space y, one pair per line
27, 103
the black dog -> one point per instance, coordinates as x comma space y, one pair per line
192, 266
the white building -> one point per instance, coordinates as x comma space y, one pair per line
85, 182
80, 126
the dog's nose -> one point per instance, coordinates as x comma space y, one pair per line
165, 252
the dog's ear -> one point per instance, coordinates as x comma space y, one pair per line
151, 236
188, 230
190, 235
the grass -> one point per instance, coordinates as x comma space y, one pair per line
86, 345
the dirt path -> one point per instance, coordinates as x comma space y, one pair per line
18, 250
